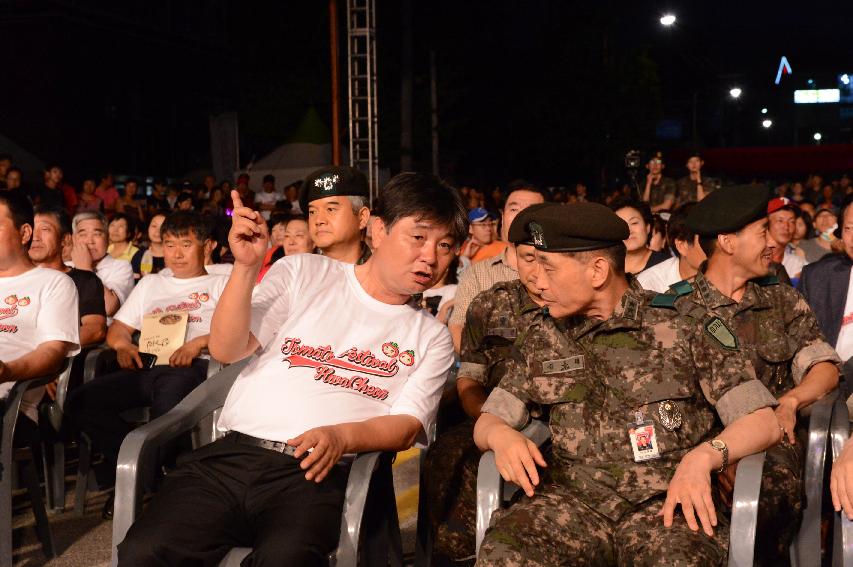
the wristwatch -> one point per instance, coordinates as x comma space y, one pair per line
720, 446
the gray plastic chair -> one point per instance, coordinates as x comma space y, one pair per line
11, 406
197, 412
492, 491
51, 415
97, 362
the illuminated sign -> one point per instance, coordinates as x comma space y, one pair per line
784, 68
816, 96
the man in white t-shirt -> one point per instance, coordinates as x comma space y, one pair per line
344, 365
265, 200
89, 252
36, 333
687, 260
96, 406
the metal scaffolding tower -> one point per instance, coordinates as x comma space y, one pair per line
362, 100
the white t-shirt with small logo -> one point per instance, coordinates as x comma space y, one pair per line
330, 353
844, 344
34, 309
157, 293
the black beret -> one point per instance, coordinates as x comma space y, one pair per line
332, 181
575, 227
518, 233
728, 210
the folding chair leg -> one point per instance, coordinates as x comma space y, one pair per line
57, 477
84, 466
30, 476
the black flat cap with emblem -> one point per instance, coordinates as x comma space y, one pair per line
336, 180
575, 227
728, 210
518, 230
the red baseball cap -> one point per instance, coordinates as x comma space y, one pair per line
780, 203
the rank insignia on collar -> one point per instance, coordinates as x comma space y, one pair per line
537, 233
721, 333
327, 183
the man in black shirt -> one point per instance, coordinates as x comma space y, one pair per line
52, 227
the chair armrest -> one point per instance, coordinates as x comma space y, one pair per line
141, 442
490, 484
358, 485
745, 510
93, 359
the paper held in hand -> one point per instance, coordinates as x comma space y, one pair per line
163, 333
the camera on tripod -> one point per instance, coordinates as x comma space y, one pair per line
633, 162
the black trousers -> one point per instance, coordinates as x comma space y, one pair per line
226, 495
96, 407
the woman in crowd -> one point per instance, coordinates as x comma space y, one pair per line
152, 259
439, 298
128, 203
825, 221
122, 233
88, 201
803, 231
639, 219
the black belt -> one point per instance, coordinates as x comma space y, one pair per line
277, 446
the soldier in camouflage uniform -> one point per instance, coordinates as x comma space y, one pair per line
776, 329
496, 324
694, 186
660, 191
631, 392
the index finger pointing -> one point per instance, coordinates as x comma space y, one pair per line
235, 198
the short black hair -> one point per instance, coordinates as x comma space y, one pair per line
423, 196
184, 196
277, 218
20, 207
269, 178
677, 229
130, 180
639, 206
131, 224
524, 185
180, 223
59, 214
5, 157
16, 169
614, 254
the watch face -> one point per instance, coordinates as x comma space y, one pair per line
718, 444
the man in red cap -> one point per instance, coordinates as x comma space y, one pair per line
782, 217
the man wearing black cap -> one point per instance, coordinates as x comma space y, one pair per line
660, 190
336, 200
496, 323
631, 392
774, 324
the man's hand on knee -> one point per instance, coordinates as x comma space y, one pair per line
327, 445
516, 458
690, 488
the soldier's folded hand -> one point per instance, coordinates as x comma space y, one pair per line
516, 458
690, 488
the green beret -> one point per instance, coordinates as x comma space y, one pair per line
575, 227
728, 210
333, 181
518, 233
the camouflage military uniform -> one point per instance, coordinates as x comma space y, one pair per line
588, 378
687, 190
659, 192
777, 330
496, 320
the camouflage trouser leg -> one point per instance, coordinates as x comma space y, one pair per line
641, 540
450, 482
552, 528
780, 505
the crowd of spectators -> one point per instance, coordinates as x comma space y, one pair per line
131, 252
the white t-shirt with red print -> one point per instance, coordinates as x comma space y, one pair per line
157, 293
34, 309
330, 353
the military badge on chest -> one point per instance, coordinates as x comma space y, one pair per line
644, 440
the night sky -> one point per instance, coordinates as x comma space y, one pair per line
547, 90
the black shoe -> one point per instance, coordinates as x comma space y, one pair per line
107, 512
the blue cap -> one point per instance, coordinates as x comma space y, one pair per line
478, 214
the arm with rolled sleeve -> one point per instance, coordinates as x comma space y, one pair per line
473, 363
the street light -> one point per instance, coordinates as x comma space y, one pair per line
763, 111
767, 123
735, 92
667, 20
817, 136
